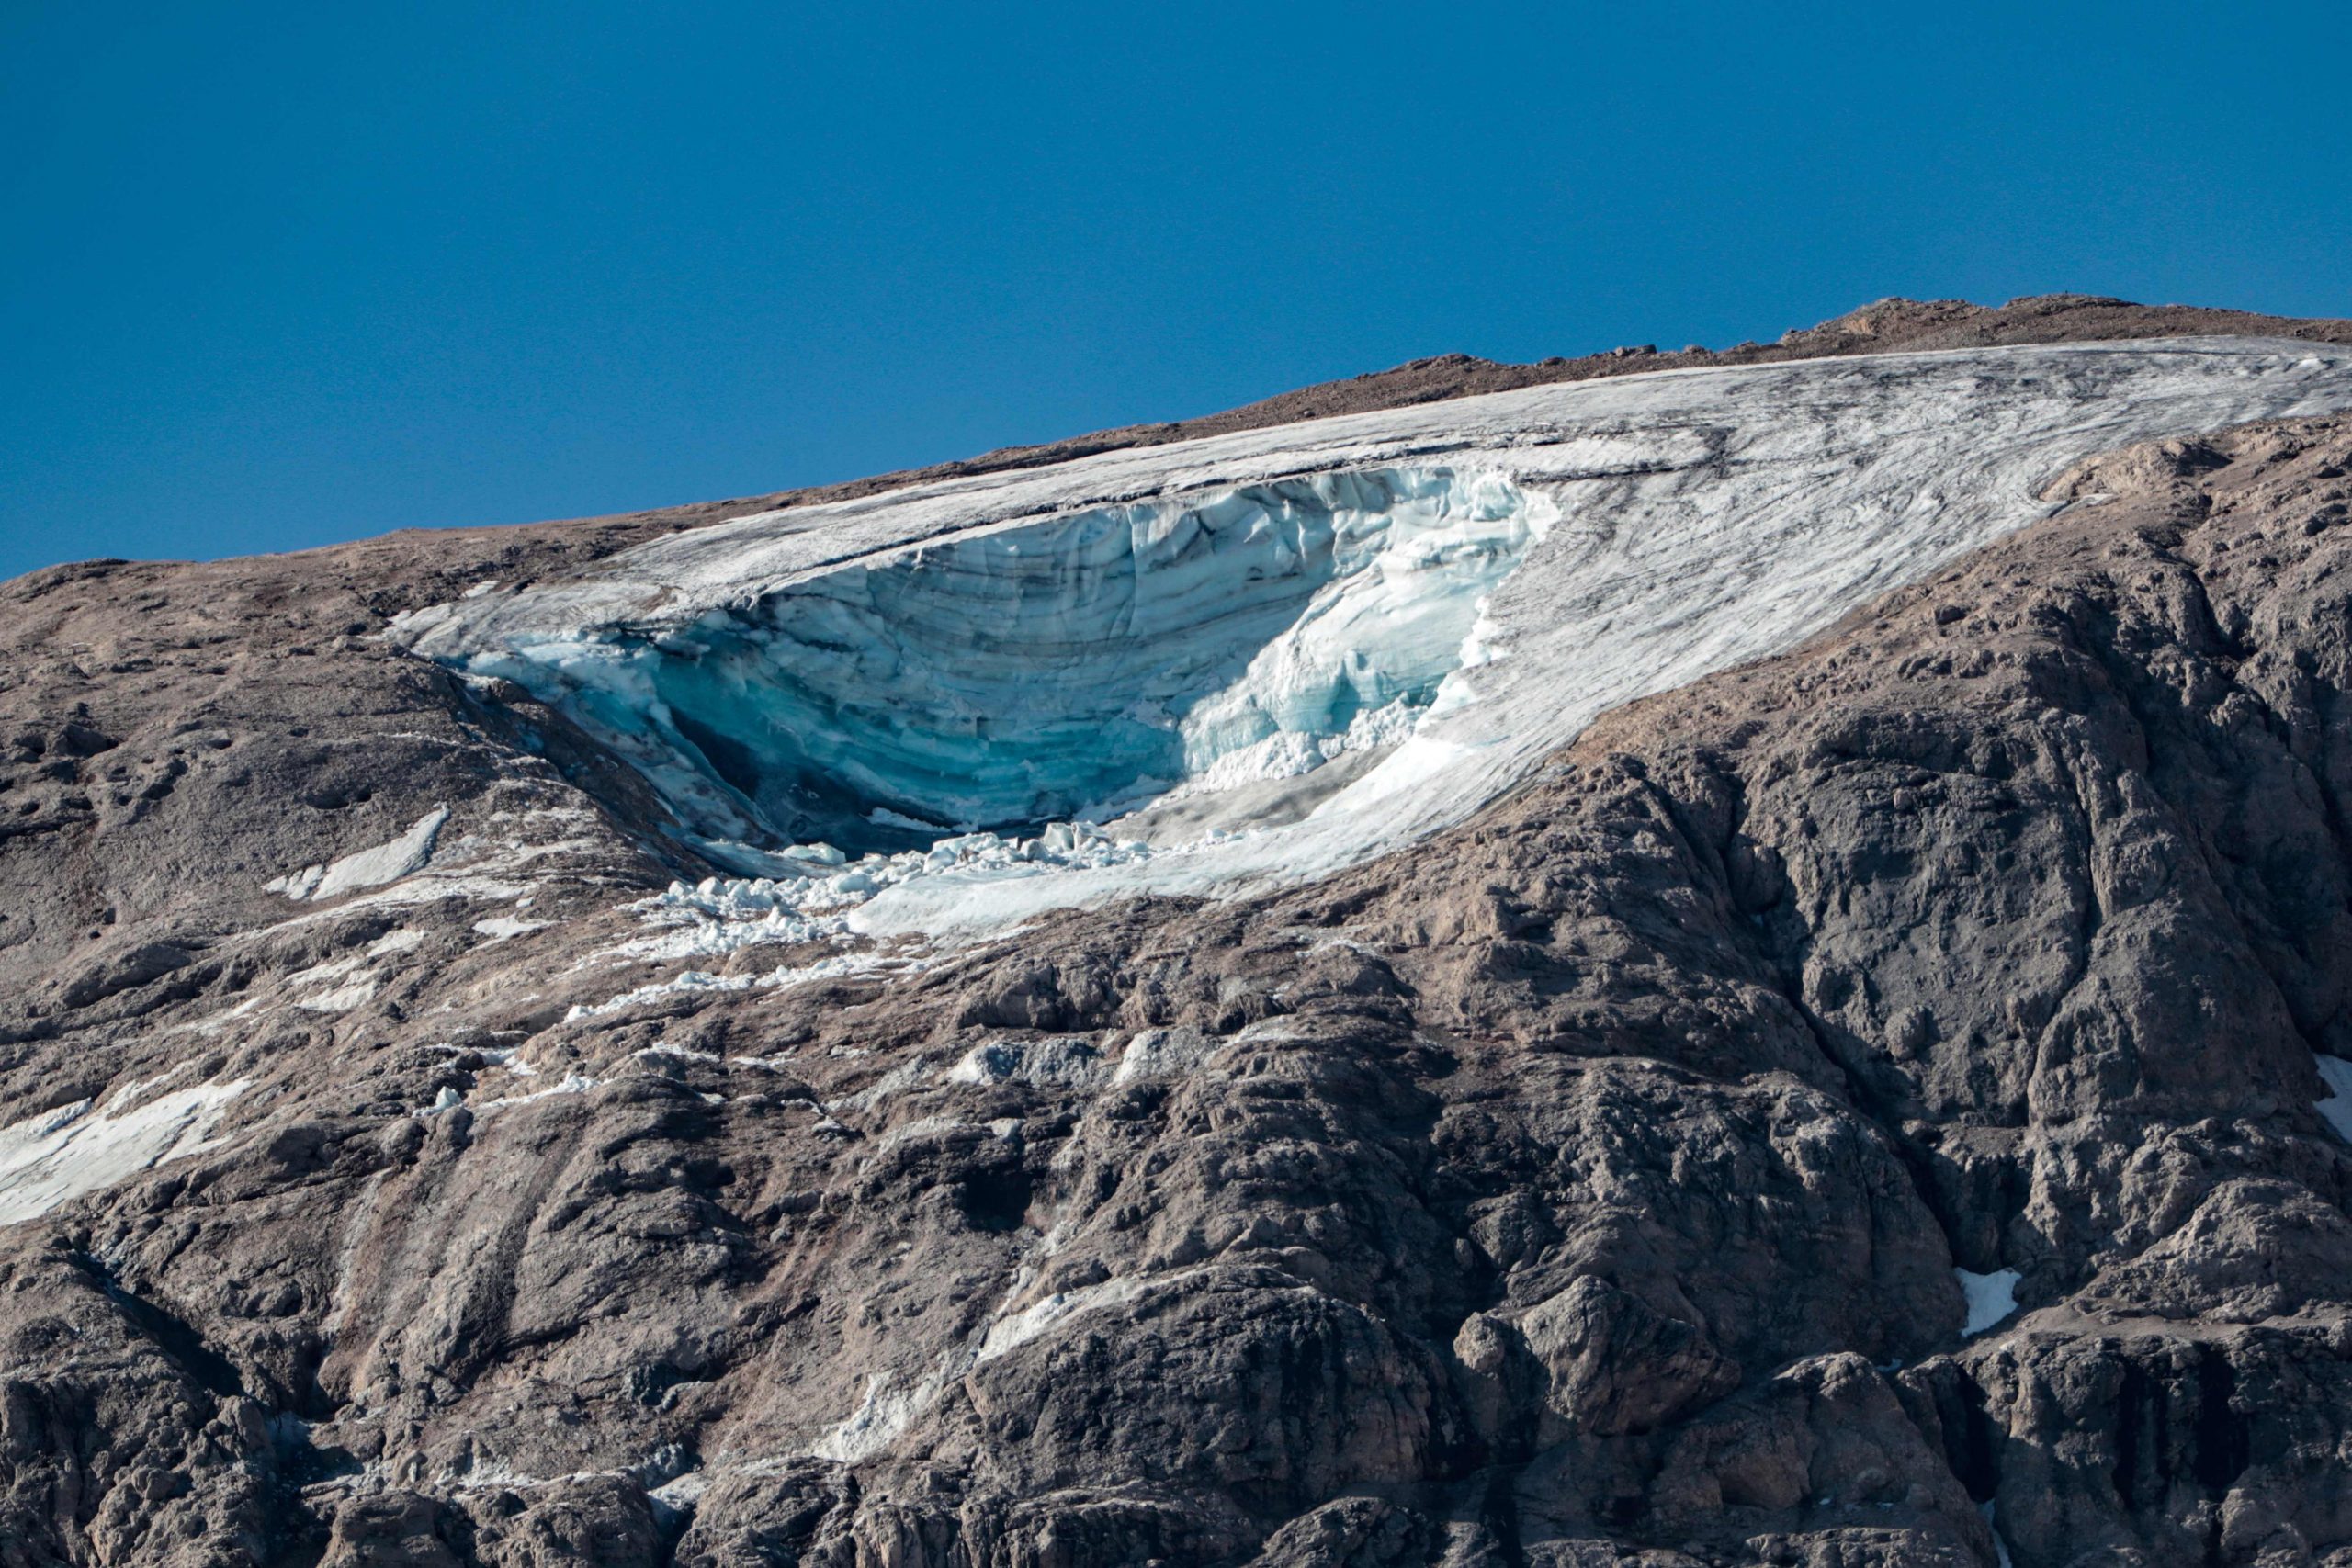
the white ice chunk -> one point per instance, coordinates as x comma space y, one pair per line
1991, 1297
342, 998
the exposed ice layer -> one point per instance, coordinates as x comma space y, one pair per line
1056, 669
78, 1148
1705, 518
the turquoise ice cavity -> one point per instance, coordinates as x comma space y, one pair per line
1049, 670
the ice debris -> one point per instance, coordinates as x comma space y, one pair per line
841, 966
814, 901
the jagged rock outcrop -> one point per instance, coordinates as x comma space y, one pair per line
1587, 1185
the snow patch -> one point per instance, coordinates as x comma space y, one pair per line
1008, 1333
1991, 1297
2337, 1106
342, 998
1162, 1053
1048, 1063
62, 1154
573, 1083
386, 863
882, 1415
502, 928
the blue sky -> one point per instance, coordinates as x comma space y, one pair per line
277, 276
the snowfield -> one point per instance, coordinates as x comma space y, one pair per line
1255, 658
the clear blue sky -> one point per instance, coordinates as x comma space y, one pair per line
273, 275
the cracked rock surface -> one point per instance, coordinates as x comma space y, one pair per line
1595, 1182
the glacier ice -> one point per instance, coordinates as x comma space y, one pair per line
1281, 651
1062, 667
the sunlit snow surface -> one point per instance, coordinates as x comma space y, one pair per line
1297, 646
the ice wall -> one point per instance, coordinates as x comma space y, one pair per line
1066, 667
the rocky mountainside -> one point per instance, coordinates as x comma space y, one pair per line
1813, 1032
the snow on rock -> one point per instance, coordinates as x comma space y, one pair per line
1013, 1331
571, 1083
883, 1413
78, 1148
1348, 632
1991, 1297
386, 863
342, 998
504, 927
1162, 1053
2336, 1073
1057, 1062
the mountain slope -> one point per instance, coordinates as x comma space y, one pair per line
1641, 1166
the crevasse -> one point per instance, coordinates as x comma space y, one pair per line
1072, 666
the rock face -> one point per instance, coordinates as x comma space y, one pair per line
1601, 1179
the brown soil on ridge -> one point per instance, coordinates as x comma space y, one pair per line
1887, 326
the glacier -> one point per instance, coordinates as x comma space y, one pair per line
1251, 659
